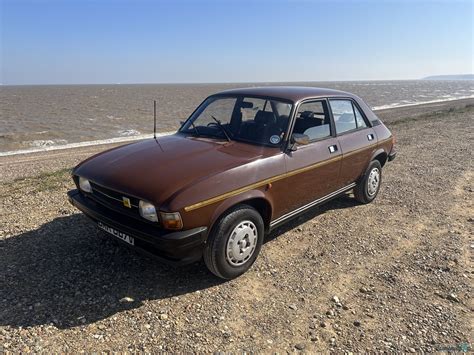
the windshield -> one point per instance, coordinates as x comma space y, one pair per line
249, 119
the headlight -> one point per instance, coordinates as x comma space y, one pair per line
84, 184
147, 211
171, 220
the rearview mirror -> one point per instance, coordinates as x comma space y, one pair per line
246, 104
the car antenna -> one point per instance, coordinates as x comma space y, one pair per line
154, 119
154, 125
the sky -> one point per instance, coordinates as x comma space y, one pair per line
145, 41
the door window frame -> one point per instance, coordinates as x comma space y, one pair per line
332, 128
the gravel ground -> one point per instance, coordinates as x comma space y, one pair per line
394, 275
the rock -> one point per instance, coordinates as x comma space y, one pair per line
322, 325
293, 307
126, 300
335, 299
453, 297
412, 350
163, 316
357, 323
300, 346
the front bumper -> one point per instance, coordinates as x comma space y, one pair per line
181, 247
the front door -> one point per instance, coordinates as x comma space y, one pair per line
312, 169
356, 139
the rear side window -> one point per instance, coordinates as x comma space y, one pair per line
346, 116
343, 114
359, 119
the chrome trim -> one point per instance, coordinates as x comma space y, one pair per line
311, 204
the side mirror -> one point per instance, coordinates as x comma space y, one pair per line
301, 139
298, 139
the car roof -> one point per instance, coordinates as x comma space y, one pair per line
292, 93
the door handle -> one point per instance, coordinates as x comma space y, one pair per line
332, 148
370, 137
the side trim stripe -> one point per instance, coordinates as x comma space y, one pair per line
312, 204
261, 183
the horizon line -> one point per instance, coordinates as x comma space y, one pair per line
233, 82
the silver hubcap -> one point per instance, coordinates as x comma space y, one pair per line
373, 181
241, 243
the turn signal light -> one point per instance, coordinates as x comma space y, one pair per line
171, 220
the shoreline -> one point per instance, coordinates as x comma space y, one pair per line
20, 166
115, 140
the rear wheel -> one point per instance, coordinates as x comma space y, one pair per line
235, 242
369, 185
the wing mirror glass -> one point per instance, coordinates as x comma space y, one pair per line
301, 139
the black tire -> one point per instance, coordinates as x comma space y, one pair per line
216, 256
363, 192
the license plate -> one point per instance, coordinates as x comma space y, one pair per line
125, 237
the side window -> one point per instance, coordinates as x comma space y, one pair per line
313, 120
343, 114
359, 119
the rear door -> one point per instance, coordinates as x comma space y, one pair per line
312, 169
355, 137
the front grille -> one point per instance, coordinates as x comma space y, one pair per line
114, 200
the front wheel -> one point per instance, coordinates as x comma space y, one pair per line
369, 185
234, 242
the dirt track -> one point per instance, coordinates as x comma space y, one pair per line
400, 268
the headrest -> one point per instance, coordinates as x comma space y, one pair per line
265, 117
307, 114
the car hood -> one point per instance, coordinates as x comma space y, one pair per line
156, 169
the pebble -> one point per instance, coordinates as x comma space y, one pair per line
300, 346
126, 300
453, 297
163, 316
357, 323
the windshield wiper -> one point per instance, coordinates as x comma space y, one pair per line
222, 128
195, 128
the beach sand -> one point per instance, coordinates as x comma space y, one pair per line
400, 266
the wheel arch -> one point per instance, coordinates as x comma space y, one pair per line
380, 155
255, 198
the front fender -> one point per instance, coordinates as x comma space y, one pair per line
241, 198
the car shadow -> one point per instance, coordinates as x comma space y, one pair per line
68, 273
344, 201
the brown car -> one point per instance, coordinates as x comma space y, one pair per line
245, 161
